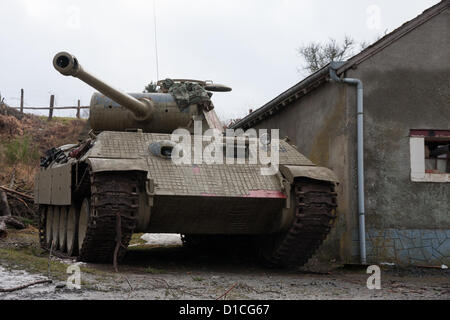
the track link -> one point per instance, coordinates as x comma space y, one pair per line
114, 202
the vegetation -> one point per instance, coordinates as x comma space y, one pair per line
152, 270
199, 279
317, 55
21, 150
136, 240
22, 250
24, 138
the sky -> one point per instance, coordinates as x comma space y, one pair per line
249, 45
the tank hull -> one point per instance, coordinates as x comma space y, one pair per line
214, 215
121, 179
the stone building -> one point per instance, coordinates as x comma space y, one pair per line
405, 78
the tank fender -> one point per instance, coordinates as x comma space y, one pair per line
108, 165
53, 186
312, 172
146, 198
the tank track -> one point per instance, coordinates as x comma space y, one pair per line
113, 210
114, 202
315, 213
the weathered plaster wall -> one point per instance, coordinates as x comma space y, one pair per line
406, 87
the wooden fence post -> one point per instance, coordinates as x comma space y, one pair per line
52, 104
21, 100
78, 110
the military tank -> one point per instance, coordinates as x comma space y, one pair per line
95, 194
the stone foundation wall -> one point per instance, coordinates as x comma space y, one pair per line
406, 247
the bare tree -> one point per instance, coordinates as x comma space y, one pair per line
365, 44
317, 55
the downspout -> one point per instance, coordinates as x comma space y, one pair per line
360, 134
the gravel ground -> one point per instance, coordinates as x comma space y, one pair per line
162, 269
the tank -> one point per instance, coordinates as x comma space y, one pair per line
126, 178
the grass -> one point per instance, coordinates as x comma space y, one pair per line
199, 279
20, 150
23, 251
136, 239
23, 141
26, 221
152, 270
34, 261
64, 120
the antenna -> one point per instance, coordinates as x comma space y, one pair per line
156, 41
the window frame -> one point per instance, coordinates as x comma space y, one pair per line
417, 154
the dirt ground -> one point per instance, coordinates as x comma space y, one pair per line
159, 268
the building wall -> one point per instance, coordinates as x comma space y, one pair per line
406, 87
316, 124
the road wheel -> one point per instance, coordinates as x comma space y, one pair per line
62, 229
49, 226
83, 223
55, 230
72, 230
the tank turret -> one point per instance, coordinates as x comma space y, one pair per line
162, 112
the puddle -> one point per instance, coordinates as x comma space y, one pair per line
16, 278
49, 291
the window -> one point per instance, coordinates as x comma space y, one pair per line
430, 155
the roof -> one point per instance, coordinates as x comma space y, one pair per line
322, 76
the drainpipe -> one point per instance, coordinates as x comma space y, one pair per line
360, 134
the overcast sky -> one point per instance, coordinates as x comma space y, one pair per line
249, 45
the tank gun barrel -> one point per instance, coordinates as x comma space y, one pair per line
68, 65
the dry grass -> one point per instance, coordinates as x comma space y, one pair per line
24, 138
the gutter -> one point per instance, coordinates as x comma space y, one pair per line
334, 66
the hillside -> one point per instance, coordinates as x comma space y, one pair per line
24, 138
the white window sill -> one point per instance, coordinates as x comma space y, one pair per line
430, 177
